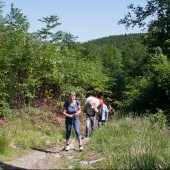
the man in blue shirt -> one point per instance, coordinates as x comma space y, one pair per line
102, 116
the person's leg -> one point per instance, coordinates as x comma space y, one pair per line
109, 116
87, 126
68, 132
99, 122
76, 124
103, 122
92, 124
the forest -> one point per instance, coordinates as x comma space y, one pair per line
131, 71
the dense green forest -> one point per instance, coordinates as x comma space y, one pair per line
131, 71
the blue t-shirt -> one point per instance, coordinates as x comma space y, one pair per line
71, 109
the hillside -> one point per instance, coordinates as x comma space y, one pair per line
116, 145
118, 41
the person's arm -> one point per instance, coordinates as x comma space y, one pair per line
78, 112
96, 110
107, 116
65, 113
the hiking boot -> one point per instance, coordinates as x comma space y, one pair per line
81, 148
67, 148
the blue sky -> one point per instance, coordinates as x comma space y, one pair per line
86, 19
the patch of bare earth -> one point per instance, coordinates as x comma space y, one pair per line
51, 158
54, 157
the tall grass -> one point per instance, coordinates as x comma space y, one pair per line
3, 144
131, 144
27, 129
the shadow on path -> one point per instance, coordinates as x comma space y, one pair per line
42, 150
45, 151
7, 166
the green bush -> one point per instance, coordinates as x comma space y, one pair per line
159, 118
5, 110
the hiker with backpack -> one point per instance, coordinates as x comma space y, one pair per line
112, 111
102, 115
90, 111
71, 112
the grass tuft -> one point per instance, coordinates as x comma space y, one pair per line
130, 143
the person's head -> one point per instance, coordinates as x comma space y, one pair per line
90, 103
100, 95
72, 95
89, 94
109, 106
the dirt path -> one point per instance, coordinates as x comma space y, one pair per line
52, 158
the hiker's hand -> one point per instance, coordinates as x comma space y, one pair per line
76, 114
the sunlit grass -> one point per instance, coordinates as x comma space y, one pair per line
126, 143
3, 144
131, 144
25, 132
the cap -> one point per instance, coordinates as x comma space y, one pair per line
101, 102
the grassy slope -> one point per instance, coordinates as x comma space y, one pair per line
130, 144
124, 143
29, 128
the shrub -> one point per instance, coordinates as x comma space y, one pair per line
159, 118
5, 110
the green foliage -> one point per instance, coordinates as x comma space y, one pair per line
134, 60
46, 34
79, 74
5, 110
32, 69
46, 65
160, 69
153, 7
118, 41
17, 20
150, 91
119, 61
159, 118
158, 26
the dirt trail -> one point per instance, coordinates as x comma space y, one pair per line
52, 158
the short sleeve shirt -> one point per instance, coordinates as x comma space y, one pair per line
90, 112
71, 109
103, 110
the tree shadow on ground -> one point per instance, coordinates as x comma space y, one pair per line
5, 166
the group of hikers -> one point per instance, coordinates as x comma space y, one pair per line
71, 111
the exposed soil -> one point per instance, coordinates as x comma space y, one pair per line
54, 157
51, 158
